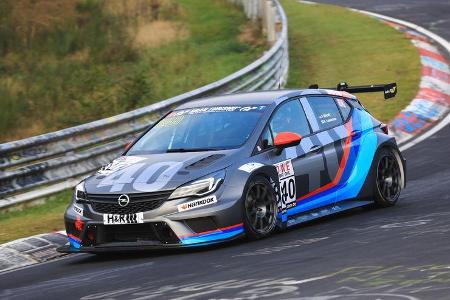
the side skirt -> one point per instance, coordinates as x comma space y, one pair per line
326, 211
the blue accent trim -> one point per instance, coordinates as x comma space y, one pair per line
362, 152
74, 243
213, 236
365, 148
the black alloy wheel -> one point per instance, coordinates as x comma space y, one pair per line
388, 179
260, 208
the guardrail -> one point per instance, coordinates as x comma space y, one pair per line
39, 166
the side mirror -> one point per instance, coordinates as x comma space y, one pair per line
128, 145
286, 140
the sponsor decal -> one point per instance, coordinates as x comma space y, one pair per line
77, 209
390, 91
119, 164
197, 203
249, 167
326, 118
112, 219
216, 109
288, 190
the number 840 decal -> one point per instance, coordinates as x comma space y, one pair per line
287, 192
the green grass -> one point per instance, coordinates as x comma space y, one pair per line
87, 68
33, 220
329, 44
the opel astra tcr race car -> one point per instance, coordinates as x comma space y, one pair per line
250, 164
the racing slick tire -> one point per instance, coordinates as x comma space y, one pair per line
260, 208
388, 178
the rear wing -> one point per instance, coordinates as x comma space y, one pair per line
389, 89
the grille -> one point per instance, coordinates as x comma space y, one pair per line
108, 203
129, 233
158, 232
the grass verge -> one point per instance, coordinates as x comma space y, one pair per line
329, 44
36, 219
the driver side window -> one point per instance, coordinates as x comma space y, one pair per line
289, 117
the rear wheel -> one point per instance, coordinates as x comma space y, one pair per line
260, 208
388, 179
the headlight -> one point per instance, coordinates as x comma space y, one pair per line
80, 193
200, 187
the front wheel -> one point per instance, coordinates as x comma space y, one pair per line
388, 179
260, 208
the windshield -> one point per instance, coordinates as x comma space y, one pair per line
200, 129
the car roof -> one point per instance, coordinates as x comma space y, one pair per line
258, 98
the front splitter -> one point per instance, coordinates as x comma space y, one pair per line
138, 246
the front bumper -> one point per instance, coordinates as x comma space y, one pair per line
163, 227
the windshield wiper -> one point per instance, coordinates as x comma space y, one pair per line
190, 149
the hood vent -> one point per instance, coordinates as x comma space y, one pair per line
204, 161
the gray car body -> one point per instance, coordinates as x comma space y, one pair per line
240, 165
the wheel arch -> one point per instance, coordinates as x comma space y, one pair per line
267, 171
367, 189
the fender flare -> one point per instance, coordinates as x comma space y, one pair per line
270, 173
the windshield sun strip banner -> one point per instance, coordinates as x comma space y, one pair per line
217, 109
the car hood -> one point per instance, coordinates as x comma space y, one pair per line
156, 172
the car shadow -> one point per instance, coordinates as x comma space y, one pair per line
242, 241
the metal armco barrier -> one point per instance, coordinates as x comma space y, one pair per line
39, 166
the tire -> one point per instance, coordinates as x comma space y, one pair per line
388, 178
260, 208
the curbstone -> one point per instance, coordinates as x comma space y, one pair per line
429, 111
31, 250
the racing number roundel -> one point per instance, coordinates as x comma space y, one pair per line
287, 185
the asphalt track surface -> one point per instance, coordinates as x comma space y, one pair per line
396, 253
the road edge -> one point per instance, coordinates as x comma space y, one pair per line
31, 250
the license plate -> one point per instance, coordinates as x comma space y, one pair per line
112, 219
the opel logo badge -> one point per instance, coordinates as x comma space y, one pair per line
123, 200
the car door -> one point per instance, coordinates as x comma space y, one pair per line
292, 162
330, 138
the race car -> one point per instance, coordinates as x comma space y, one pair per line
250, 164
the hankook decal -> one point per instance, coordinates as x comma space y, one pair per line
197, 203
